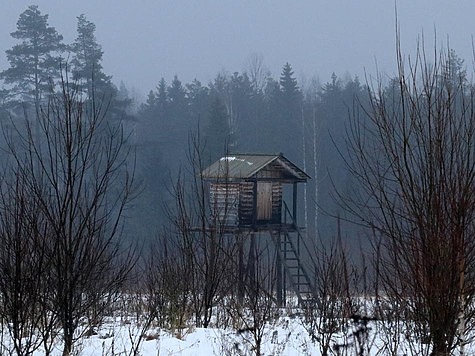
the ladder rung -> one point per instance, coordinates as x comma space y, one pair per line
288, 249
298, 275
304, 283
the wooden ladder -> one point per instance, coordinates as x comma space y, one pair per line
295, 274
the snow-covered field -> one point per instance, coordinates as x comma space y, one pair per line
286, 333
284, 336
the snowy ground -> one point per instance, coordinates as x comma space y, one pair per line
287, 339
283, 336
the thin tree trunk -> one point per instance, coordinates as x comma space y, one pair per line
315, 171
304, 165
463, 306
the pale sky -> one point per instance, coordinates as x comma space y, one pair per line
144, 40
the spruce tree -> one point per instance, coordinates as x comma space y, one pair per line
199, 98
290, 114
35, 61
176, 95
177, 115
218, 133
162, 97
288, 83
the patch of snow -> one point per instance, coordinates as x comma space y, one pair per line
232, 158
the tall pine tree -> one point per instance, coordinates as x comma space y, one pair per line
35, 61
89, 75
86, 62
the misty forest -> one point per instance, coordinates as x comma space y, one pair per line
111, 242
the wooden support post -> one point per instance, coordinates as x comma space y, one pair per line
278, 270
252, 264
241, 274
254, 204
294, 205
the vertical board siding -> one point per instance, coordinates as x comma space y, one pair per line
232, 204
246, 203
224, 202
264, 201
276, 203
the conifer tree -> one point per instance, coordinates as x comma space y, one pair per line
218, 132
89, 75
35, 60
86, 63
288, 120
177, 122
288, 83
198, 97
162, 96
176, 95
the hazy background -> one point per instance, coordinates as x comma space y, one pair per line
145, 40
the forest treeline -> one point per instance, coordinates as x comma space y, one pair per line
237, 112
240, 112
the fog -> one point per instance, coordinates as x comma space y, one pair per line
149, 39
145, 41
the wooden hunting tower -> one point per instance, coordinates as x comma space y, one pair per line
246, 190
246, 197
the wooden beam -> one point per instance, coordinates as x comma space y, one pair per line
294, 204
254, 204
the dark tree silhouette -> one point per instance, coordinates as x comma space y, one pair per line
34, 62
414, 160
77, 174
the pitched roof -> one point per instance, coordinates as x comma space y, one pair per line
246, 166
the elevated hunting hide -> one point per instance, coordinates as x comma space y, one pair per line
246, 189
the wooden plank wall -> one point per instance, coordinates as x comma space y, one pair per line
276, 203
246, 203
224, 203
233, 203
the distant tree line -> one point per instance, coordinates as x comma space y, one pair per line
237, 113
246, 112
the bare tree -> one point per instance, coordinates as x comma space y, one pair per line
170, 279
325, 320
22, 266
158, 297
200, 235
76, 171
254, 311
413, 155
258, 72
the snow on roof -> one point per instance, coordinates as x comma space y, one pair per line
245, 166
233, 158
